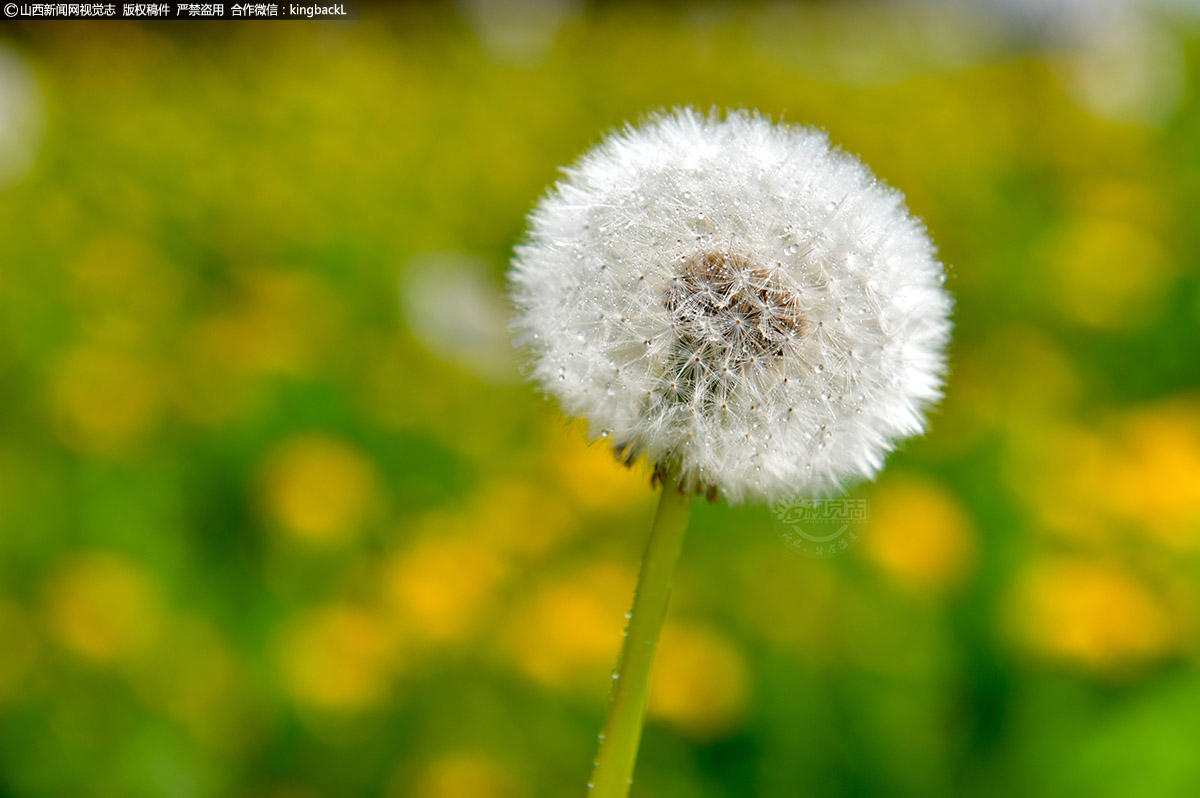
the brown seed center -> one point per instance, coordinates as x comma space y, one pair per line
732, 309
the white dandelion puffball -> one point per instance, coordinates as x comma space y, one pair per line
736, 300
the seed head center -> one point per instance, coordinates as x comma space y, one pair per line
731, 311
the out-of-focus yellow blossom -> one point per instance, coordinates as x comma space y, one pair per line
1123, 198
460, 775
281, 322
194, 677
104, 608
19, 649
1065, 475
503, 514
203, 388
1139, 474
104, 401
1092, 614
918, 534
442, 587
337, 657
700, 681
1155, 477
568, 631
124, 292
1107, 272
590, 474
319, 487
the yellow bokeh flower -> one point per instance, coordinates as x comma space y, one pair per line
124, 291
203, 389
499, 517
104, 402
919, 535
460, 775
700, 681
337, 657
568, 631
319, 488
1107, 272
442, 587
1137, 474
103, 607
20, 647
1093, 614
590, 474
195, 678
1155, 477
1064, 475
280, 321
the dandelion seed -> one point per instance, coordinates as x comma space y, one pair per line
735, 271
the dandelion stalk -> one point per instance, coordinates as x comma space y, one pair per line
631, 680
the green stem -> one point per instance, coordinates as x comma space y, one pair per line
631, 681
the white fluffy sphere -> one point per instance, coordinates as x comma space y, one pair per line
736, 300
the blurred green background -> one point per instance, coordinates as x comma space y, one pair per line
279, 518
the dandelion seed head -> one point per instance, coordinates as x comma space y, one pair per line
736, 298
